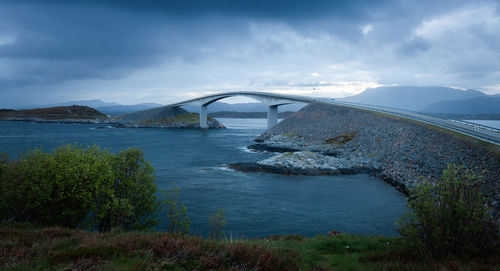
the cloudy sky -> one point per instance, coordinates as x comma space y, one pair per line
130, 51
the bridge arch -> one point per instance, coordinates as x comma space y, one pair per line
272, 100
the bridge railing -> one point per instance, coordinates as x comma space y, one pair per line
482, 132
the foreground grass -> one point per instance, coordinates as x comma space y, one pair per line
358, 252
24, 247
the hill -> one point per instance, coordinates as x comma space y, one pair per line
476, 105
164, 117
154, 114
410, 97
117, 110
74, 112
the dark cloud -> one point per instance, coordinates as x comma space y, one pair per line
282, 9
228, 44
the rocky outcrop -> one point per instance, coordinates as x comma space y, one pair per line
164, 117
180, 121
399, 151
310, 163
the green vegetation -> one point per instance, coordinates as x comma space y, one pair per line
217, 224
449, 218
23, 247
190, 118
176, 212
340, 139
79, 187
54, 113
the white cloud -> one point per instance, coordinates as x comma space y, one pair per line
460, 20
365, 29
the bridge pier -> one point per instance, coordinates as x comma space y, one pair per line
272, 116
203, 116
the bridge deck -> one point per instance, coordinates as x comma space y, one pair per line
485, 133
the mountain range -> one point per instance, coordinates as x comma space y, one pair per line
443, 100
436, 100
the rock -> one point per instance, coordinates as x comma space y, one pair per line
401, 152
309, 163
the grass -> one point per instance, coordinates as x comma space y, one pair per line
341, 139
357, 252
26, 247
30, 248
190, 118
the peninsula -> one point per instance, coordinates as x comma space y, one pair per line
330, 139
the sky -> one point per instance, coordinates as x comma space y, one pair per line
132, 52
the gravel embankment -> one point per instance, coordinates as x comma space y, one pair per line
401, 151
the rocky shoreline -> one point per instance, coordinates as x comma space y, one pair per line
327, 139
305, 163
173, 125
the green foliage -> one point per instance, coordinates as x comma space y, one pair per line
216, 224
449, 217
133, 205
176, 212
79, 187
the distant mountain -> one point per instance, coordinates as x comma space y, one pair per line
411, 98
90, 103
476, 105
116, 110
243, 107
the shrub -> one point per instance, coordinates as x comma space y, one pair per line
450, 217
176, 212
133, 205
79, 187
216, 224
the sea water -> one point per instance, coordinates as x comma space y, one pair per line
254, 204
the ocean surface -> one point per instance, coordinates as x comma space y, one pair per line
255, 204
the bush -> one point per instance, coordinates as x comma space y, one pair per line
450, 217
176, 212
79, 187
216, 224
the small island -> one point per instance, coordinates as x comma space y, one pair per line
71, 114
161, 117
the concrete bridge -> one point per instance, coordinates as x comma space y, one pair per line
274, 100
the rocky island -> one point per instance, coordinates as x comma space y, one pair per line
161, 117
330, 139
70, 114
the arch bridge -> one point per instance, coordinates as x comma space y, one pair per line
272, 100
